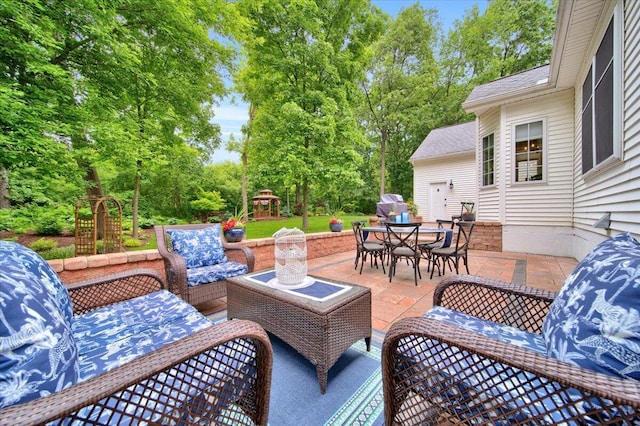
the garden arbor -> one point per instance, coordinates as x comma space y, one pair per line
98, 218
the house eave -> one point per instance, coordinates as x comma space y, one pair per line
443, 157
480, 105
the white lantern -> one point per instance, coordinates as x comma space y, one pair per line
291, 257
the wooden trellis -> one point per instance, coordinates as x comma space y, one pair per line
98, 218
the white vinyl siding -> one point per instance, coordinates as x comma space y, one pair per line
461, 169
488, 208
617, 189
547, 202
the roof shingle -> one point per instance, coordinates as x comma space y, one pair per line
456, 139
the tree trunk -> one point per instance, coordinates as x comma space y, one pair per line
5, 195
305, 203
136, 196
245, 201
383, 166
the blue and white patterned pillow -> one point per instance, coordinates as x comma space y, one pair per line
38, 354
594, 322
201, 247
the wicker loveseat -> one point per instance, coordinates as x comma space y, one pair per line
197, 260
121, 350
491, 352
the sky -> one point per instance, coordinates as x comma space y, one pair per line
231, 116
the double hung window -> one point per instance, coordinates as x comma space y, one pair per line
529, 152
601, 136
488, 164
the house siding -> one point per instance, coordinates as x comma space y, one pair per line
615, 190
489, 198
460, 168
538, 215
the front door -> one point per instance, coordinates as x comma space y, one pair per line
438, 197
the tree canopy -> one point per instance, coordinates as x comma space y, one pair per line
121, 95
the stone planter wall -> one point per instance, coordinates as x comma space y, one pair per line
83, 267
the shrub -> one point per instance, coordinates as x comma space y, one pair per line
133, 242
146, 223
43, 244
48, 224
59, 253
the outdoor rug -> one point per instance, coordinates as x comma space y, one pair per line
354, 386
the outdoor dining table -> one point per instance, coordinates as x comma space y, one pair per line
446, 242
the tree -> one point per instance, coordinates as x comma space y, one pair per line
303, 61
401, 81
34, 91
165, 93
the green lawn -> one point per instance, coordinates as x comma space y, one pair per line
266, 228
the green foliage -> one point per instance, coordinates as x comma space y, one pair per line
312, 55
208, 202
58, 253
133, 242
49, 225
146, 223
43, 244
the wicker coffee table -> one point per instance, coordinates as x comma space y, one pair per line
320, 329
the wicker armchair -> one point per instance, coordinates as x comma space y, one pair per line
183, 382
435, 371
177, 272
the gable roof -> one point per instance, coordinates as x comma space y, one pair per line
457, 139
515, 83
575, 21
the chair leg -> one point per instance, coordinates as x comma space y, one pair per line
436, 263
392, 267
466, 264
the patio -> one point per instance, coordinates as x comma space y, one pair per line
401, 298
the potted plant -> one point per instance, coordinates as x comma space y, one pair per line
233, 228
413, 210
335, 224
468, 215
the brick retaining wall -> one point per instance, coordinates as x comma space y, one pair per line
83, 267
486, 236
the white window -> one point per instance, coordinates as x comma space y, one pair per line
488, 163
601, 93
529, 152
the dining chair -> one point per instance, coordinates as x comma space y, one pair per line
364, 248
403, 244
425, 248
455, 252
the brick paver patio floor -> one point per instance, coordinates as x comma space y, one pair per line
402, 298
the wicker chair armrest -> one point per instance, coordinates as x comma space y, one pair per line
441, 391
512, 304
249, 395
94, 293
240, 253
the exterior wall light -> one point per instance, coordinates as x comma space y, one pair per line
450, 183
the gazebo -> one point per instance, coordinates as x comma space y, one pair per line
265, 204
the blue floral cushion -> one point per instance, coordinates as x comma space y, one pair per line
38, 354
213, 273
201, 247
594, 322
114, 335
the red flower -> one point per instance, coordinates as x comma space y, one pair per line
229, 224
333, 220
